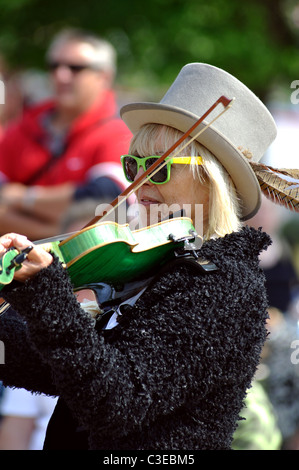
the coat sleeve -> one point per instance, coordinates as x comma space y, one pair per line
175, 346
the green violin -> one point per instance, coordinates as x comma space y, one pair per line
109, 252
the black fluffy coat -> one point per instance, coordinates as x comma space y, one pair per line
172, 375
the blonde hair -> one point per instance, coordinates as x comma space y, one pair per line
224, 207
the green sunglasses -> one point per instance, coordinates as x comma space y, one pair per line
131, 165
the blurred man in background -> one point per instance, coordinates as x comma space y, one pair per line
62, 158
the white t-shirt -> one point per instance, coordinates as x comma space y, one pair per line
20, 402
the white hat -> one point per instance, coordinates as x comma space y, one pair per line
246, 126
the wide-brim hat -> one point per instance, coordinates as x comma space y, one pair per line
247, 126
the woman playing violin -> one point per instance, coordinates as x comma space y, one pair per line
169, 369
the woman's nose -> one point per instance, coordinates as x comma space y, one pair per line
139, 173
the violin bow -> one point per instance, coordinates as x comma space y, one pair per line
156, 166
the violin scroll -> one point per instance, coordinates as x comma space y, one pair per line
17, 261
11, 261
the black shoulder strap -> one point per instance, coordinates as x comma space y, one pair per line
203, 265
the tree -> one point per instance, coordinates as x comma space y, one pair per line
256, 40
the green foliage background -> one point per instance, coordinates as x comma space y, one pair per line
257, 40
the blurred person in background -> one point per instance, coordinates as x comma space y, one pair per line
25, 417
13, 106
281, 375
281, 380
258, 429
277, 262
65, 151
23, 89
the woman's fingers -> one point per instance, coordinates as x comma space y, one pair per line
36, 259
13, 240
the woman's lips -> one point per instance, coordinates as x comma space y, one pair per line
147, 200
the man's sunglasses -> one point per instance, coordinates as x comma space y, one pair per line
74, 68
131, 165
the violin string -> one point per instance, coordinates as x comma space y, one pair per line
55, 238
150, 175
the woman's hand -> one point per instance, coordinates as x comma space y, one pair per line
36, 260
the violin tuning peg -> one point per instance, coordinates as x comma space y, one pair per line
19, 258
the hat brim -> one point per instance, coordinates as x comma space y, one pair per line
135, 115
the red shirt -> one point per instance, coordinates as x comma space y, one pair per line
92, 147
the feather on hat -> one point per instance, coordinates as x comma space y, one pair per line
281, 186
